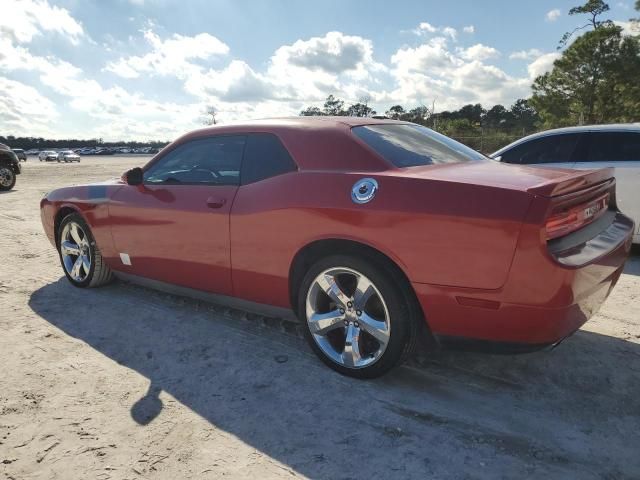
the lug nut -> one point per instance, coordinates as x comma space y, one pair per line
356, 324
346, 322
349, 304
342, 311
358, 312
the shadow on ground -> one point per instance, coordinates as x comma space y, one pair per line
571, 411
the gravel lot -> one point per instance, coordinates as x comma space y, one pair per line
124, 383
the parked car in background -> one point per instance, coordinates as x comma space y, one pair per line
9, 167
48, 156
587, 147
68, 156
370, 231
20, 153
33, 151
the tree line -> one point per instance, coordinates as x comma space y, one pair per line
39, 143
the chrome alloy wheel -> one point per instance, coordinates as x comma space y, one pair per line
75, 251
6, 176
348, 317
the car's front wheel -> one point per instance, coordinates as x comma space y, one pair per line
359, 316
79, 254
7, 178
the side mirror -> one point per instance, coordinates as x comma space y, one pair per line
133, 176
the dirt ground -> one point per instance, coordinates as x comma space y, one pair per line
123, 382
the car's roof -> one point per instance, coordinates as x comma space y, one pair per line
303, 122
613, 127
317, 143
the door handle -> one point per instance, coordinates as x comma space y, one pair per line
216, 202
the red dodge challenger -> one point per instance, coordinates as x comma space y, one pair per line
371, 231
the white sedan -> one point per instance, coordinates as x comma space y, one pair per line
587, 147
68, 156
48, 156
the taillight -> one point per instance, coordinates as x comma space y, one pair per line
576, 217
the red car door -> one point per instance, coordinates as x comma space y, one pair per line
175, 226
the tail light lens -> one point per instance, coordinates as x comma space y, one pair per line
576, 217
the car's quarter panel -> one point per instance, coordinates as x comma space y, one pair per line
542, 300
175, 233
437, 232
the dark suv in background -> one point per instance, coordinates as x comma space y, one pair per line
9, 168
20, 154
587, 147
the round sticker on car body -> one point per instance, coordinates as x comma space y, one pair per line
364, 190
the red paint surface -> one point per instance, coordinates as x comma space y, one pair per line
470, 230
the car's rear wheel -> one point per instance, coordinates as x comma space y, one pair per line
7, 178
81, 259
359, 316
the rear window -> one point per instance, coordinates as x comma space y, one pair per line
414, 145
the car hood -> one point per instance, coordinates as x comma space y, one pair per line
536, 180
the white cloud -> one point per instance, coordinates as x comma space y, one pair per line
542, 64
628, 28
237, 82
425, 28
553, 15
334, 53
24, 19
172, 56
469, 29
432, 71
525, 54
479, 52
23, 109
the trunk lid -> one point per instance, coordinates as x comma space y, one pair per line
547, 182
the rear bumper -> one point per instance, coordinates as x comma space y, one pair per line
553, 300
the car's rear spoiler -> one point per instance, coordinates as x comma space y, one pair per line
577, 180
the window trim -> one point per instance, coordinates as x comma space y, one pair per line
163, 154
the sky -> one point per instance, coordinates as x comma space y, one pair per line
148, 69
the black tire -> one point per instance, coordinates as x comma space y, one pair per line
99, 273
11, 178
405, 316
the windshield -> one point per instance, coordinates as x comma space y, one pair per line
407, 145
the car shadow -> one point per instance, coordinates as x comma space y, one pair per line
265, 388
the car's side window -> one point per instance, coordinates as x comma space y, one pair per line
614, 147
264, 157
208, 161
550, 149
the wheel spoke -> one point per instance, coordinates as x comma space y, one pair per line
86, 265
364, 291
70, 248
75, 233
75, 271
351, 354
328, 284
375, 328
323, 323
